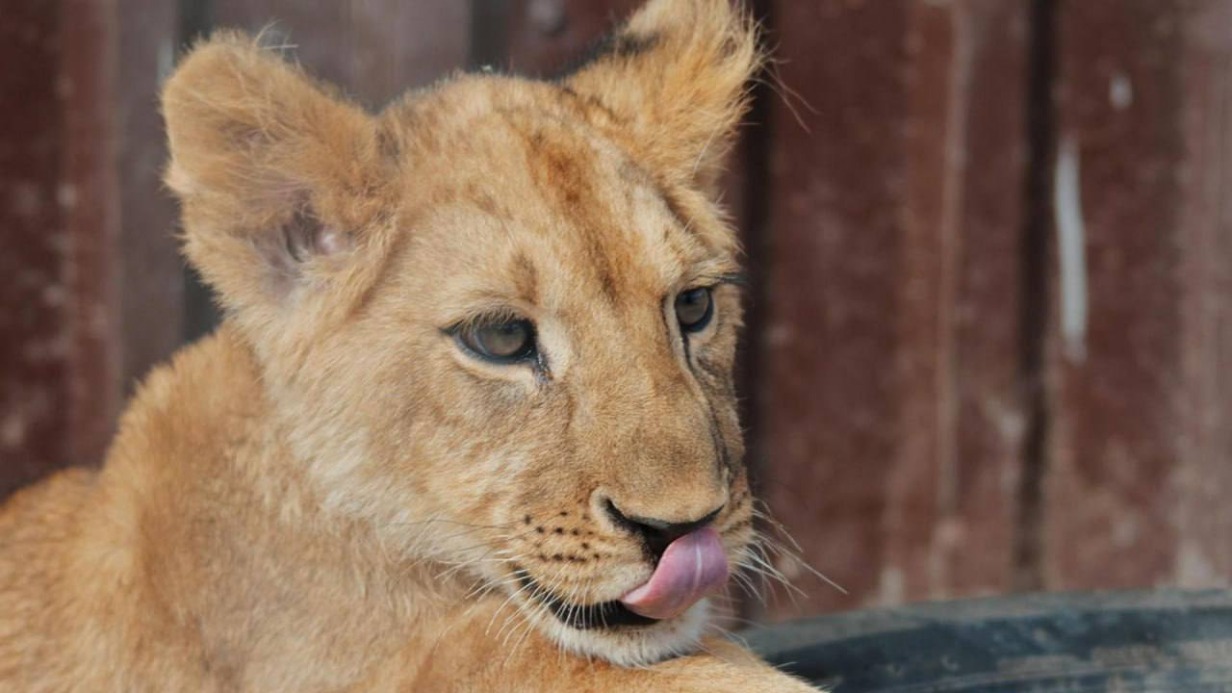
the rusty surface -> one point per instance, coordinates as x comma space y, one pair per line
374, 50
1139, 453
891, 408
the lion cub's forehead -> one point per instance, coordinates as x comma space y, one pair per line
531, 199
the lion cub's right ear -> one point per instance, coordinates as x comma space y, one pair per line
276, 176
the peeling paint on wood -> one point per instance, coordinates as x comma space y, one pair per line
1115, 418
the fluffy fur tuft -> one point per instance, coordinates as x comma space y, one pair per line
678, 74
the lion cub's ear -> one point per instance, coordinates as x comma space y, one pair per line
677, 72
275, 176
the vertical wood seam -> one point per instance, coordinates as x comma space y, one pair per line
201, 313
1028, 573
758, 137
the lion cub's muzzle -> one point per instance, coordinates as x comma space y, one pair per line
690, 564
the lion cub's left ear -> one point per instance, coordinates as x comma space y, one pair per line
277, 179
677, 73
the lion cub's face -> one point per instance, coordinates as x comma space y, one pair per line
561, 336
498, 320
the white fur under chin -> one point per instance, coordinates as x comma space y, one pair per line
637, 646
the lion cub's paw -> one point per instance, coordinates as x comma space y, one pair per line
772, 682
731, 669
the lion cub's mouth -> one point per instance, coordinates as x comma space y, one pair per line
691, 567
604, 615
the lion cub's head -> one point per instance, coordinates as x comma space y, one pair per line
497, 320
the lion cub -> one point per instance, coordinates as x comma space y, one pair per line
469, 423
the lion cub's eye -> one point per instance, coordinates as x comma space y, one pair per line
503, 342
694, 308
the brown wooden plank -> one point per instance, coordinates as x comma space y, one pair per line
890, 397
973, 223
1202, 510
59, 356
1138, 453
32, 288
375, 49
150, 271
89, 200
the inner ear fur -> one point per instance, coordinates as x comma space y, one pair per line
274, 173
677, 74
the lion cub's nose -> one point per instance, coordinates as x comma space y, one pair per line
657, 534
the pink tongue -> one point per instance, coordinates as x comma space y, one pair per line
692, 567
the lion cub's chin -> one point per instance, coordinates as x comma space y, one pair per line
632, 646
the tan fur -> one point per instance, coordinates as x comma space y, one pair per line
329, 494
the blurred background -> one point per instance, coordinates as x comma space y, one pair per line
990, 344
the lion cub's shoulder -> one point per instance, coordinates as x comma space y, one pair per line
41, 514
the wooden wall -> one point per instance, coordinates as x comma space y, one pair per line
991, 331
60, 345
